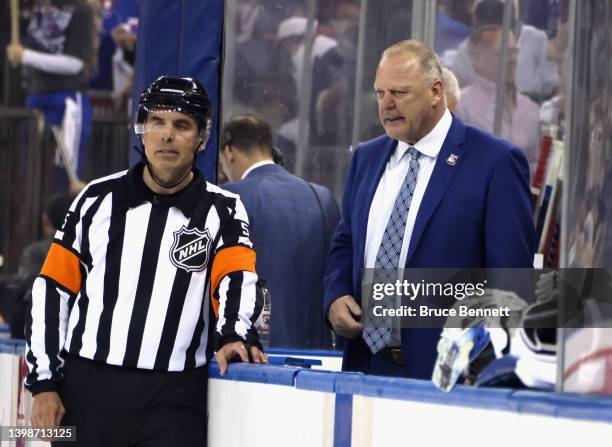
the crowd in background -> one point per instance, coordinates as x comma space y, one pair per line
283, 61
309, 99
273, 74
72, 60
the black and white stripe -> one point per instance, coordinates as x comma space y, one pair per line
135, 308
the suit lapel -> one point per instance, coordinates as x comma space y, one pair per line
439, 182
374, 174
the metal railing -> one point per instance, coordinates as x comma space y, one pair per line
27, 151
108, 147
21, 183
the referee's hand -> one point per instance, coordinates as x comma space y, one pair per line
237, 350
47, 410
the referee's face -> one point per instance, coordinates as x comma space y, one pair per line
170, 140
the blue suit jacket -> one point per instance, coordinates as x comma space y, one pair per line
291, 234
476, 213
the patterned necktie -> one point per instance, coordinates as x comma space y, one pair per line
387, 258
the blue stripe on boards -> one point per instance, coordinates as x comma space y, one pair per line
343, 420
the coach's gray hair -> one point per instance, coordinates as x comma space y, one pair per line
430, 63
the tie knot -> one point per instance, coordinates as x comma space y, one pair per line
413, 153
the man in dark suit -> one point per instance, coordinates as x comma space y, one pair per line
291, 224
452, 195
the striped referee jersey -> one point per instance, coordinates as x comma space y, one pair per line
130, 277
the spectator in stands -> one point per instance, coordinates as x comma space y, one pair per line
59, 57
324, 57
552, 111
283, 105
333, 79
537, 73
477, 107
102, 78
453, 23
486, 12
32, 260
291, 36
124, 35
113, 14
256, 53
451, 89
291, 226
544, 14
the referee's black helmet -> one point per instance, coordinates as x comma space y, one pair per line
185, 95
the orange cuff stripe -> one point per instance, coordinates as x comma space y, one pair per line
63, 266
228, 260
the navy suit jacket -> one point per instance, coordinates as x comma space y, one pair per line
474, 214
291, 234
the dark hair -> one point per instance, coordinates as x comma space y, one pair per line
56, 209
488, 12
491, 12
248, 133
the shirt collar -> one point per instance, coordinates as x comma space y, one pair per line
186, 199
431, 144
255, 166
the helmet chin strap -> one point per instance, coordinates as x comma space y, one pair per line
163, 184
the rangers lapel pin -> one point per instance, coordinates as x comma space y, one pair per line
452, 159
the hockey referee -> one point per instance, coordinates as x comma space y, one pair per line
120, 329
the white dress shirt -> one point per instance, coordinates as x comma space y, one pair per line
392, 179
255, 166
521, 126
535, 74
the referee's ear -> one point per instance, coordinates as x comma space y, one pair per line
202, 145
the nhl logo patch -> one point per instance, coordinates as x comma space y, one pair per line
191, 249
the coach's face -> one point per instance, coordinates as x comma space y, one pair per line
171, 140
407, 99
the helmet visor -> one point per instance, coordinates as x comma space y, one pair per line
167, 121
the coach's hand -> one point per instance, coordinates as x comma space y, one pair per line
238, 350
47, 410
344, 315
